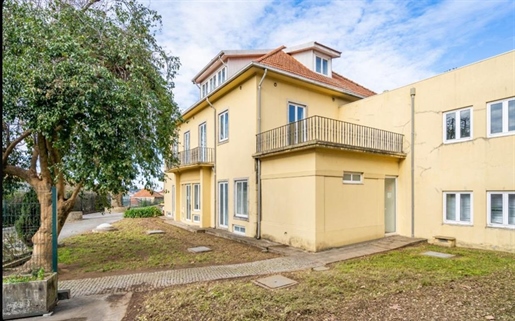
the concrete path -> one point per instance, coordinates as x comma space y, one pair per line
88, 223
296, 262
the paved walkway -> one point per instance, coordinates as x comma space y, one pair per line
295, 261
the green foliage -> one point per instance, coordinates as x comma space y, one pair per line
36, 275
93, 86
141, 212
27, 224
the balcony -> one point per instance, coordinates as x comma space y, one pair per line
318, 131
199, 156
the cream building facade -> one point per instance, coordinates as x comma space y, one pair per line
282, 147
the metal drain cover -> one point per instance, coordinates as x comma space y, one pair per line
199, 249
275, 282
438, 254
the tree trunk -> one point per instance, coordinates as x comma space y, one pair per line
116, 200
42, 249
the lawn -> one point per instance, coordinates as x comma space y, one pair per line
399, 285
131, 250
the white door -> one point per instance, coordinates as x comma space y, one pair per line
202, 142
223, 204
390, 204
297, 129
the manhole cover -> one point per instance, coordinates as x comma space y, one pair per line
275, 282
438, 254
199, 249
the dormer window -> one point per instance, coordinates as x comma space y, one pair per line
322, 65
212, 83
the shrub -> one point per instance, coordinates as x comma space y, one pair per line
30, 219
139, 212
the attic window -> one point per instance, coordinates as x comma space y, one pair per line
321, 65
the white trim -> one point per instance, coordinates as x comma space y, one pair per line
505, 209
240, 227
505, 119
196, 187
226, 136
240, 215
457, 117
352, 181
322, 59
457, 209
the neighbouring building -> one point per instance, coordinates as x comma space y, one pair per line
280, 146
145, 196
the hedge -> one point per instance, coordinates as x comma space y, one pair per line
150, 211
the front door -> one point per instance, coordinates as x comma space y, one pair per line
390, 185
223, 204
297, 129
187, 202
202, 142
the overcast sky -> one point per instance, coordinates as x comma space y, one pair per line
384, 44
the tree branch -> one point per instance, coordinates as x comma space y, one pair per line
89, 4
13, 144
35, 154
24, 174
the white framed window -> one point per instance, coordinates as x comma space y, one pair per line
196, 197
238, 229
501, 209
352, 178
223, 126
457, 125
501, 117
457, 208
221, 76
241, 199
204, 90
322, 65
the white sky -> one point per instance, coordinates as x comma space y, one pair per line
384, 44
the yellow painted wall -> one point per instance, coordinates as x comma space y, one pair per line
351, 213
275, 99
478, 165
289, 199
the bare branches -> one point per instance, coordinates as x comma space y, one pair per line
13, 144
89, 4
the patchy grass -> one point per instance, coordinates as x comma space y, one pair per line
130, 249
399, 285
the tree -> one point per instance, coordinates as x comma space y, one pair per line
87, 100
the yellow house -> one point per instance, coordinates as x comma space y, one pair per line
282, 147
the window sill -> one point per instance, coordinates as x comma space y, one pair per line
241, 218
455, 141
504, 227
458, 223
510, 133
225, 141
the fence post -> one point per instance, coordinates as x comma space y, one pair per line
54, 229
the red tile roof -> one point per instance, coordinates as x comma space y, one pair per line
145, 193
277, 58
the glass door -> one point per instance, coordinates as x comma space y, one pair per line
297, 129
202, 142
223, 204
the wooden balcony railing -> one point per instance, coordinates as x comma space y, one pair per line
318, 129
198, 155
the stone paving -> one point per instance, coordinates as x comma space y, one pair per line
296, 261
